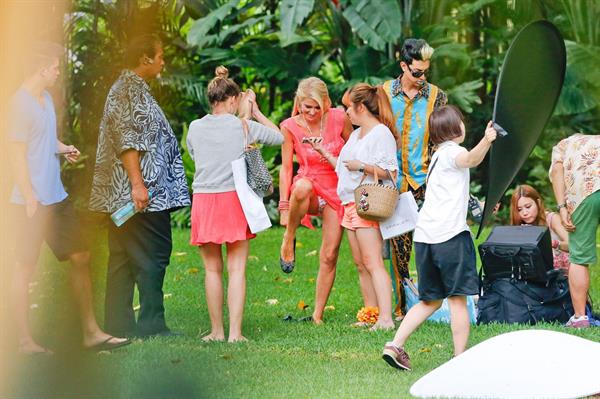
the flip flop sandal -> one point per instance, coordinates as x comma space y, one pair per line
107, 345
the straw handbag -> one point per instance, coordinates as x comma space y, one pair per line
375, 201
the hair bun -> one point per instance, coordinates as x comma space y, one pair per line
221, 72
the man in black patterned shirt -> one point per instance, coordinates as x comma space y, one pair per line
138, 160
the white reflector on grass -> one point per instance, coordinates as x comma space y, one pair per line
521, 364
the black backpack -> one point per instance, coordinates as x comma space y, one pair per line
508, 300
517, 252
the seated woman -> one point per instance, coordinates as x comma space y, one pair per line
527, 208
313, 190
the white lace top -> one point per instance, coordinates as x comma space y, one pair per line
377, 147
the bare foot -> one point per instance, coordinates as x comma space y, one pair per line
317, 322
212, 337
100, 337
239, 338
32, 348
382, 326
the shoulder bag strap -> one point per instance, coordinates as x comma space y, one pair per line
246, 130
431, 170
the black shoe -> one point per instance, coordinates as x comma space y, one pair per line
288, 267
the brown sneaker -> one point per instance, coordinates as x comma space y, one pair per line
396, 357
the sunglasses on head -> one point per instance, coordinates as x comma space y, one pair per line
417, 74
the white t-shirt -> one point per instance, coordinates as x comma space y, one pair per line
444, 212
377, 147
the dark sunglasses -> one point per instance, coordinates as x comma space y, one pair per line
417, 74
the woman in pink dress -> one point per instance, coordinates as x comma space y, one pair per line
312, 192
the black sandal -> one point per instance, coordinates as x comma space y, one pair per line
288, 266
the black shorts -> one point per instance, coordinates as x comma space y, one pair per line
57, 224
447, 269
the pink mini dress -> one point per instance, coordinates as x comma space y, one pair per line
313, 166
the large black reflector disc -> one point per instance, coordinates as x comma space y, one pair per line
528, 88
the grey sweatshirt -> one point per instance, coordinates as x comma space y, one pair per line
214, 142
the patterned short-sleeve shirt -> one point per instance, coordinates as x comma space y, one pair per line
580, 156
412, 115
133, 119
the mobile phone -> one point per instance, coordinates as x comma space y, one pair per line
312, 139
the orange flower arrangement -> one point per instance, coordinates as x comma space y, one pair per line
368, 314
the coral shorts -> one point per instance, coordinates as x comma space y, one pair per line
352, 221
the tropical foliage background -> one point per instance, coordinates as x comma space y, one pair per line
270, 45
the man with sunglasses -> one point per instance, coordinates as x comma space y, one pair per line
413, 99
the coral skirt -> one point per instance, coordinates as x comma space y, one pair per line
218, 218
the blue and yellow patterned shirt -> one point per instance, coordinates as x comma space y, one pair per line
412, 116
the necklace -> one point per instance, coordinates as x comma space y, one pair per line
322, 159
309, 129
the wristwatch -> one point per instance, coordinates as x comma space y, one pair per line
361, 168
563, 205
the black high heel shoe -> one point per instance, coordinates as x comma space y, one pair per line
288, 267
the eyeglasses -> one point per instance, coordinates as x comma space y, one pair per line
417, 73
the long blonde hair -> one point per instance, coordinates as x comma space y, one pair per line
376, 100
312, 88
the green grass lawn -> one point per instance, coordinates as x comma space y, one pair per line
282, 358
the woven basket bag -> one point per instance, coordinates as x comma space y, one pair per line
375, 201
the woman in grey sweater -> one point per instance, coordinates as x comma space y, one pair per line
214, 141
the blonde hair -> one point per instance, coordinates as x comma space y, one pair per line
312, 88
376, 100
221, 87
415, 49
426, 52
